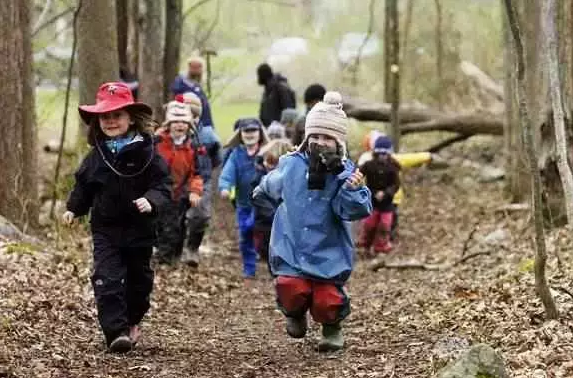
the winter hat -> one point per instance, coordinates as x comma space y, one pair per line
276, 130
383, 145
244, 124
327, 118
314, 93
176, 111
370, 139
112, 96
194, 102
289, 115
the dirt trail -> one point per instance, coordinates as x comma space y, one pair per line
205, 324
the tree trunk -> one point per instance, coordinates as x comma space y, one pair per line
97, 49
551, 56
19, 184
392, 40
529, 141
133, 31
439, 56
173, 18
151, 74
122, 23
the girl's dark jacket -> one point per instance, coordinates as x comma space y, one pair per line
110, 196
382, 175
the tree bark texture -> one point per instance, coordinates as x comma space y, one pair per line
551, 56
133, 31
172, 52
122, 23
97, 49
393, 40
529, 142
18, 182
151, 74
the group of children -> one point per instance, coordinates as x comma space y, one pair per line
294, 205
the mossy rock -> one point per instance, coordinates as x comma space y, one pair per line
480, 361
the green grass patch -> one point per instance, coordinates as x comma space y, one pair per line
225, 115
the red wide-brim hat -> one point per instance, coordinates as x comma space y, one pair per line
112, 96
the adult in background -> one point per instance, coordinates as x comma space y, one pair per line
313, 94
277, 95
191, 82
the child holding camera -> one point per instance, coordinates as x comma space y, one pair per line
311, 250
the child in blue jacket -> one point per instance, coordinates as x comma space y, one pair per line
238, 173
311, 251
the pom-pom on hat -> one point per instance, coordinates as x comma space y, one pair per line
193, 101
327, 118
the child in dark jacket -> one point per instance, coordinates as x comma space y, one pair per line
382, 174
238, 174
311, 250
123, 181
176, 149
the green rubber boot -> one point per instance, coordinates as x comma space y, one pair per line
296, 327
332, 338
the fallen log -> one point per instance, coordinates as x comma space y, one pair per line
380, 112
465, 124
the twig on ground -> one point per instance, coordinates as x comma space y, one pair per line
414, 264
470, 237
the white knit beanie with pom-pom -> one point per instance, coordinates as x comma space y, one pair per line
327, 118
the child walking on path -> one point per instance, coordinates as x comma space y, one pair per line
123, 181
175, 147
382, 178
311, 249
207, 143
238, 173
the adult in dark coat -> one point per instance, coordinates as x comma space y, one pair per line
277, 95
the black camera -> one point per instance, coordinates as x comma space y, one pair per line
322, 162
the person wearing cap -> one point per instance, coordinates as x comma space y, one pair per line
207, 143
191, 82
174, 145
311, 249
313, 94
383, 180
238, 173
123, 181
277, 94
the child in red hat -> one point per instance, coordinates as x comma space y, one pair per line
123, 181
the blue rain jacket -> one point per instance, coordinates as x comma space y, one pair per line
311, 234
239, 172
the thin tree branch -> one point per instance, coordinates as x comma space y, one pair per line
448, 142
366, 38
193, 8
199, 43
42, 15
65, 116
49, 22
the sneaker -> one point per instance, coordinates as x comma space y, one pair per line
121, 344
332, 338
296, 327
134, 334
190, 257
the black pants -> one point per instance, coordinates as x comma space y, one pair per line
122, 281
171, 230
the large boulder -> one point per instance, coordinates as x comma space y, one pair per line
479, 361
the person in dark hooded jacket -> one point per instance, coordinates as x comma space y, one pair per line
277, 95
123, 181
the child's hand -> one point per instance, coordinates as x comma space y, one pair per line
379, 195
355, 180
194, 199
68, 217
143, 205
225, 194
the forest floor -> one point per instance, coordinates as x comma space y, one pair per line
404, 322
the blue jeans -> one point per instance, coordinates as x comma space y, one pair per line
246, 221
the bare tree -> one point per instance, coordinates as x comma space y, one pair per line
392, 67
551, 56
439, 55
356, 65
97, 48
172, 52
151, 67
407, 25
528, 138
19, 183
133, 30
122, 18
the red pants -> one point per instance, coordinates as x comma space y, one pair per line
327, 302
376, 231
